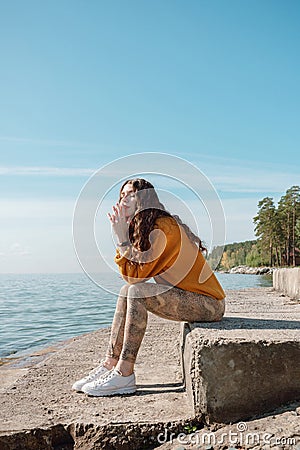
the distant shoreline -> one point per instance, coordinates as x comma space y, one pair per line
247, 270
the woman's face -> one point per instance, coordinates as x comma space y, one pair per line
128, 200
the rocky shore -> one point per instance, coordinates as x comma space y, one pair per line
250, 270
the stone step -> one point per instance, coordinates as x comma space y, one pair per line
247, 364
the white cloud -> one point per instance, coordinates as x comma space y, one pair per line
46, 171
13, 209
239, 215
38, 250
234, 176
246, 179
48, 247
41, 230
16, 249
52, 142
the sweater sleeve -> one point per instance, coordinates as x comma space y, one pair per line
164, 250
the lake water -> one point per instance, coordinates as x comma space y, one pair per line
38, 310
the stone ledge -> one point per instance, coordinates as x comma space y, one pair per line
56, 437
247, 364
279, 430
93, 436
232, 380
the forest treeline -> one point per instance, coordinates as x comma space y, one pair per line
277, 228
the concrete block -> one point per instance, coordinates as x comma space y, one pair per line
287, 281
241, 367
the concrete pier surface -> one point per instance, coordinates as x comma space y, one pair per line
39, 411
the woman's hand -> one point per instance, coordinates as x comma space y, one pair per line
119, 222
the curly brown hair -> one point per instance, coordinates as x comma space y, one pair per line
149, 208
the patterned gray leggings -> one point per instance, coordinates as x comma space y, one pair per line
131, 314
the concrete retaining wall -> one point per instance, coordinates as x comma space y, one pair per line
287, 281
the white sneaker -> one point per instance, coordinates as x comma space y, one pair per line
112, 383
92, 376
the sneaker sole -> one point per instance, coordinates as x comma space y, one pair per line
122, 391
77, 389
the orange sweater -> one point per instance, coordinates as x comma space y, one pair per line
175, 260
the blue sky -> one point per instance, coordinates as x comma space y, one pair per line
86, 82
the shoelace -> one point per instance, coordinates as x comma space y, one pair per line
108, 376
96, 370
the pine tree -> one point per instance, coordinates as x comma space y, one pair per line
297, 233
288, 214
278, 232
265, 229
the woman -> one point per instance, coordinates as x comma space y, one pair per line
151, 243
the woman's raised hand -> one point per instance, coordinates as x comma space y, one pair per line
119, 222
